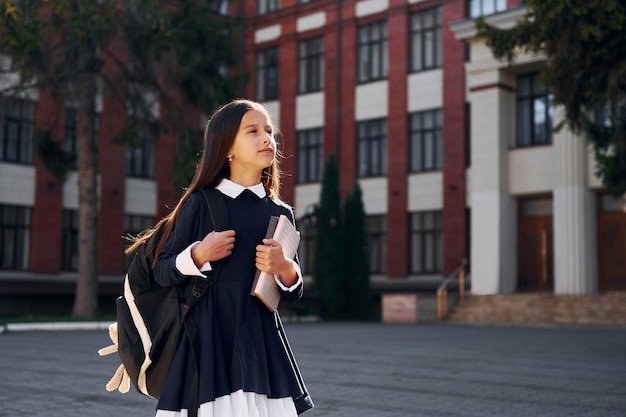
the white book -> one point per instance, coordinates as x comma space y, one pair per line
265, 286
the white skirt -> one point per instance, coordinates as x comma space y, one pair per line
241, 404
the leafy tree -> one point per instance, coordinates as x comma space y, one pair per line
179, 52
196, 52
355, 260
328, 274
584, 41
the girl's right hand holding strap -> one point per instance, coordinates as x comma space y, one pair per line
214, 246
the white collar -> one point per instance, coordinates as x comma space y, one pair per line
232, 189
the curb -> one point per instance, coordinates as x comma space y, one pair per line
100, 325
28, 327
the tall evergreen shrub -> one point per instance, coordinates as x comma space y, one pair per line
356, 268
328, 275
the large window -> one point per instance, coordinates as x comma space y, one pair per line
71, 141
268, 6
140, 158
372, 152
377, 243
310, 65
267, 74
426, 244
14, 237
485, 7
426, 141
534, 112
16, 130
373, 59
69, 241
426, 40
310, 155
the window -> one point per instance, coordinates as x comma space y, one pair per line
69, 241
426, 40
14, 237
310, 155
140, 156
372, 143
267, 74
377, 243
426, 141
373, 52
71, 144
267, 6
426, 243
133, 225
16, 130
310, 65
478, 8
534, 112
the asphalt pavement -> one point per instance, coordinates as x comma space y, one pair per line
357, 370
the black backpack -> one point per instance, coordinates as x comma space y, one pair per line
150, 318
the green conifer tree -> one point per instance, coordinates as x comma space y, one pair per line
356, 268
328, 275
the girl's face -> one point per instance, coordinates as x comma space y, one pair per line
254, 148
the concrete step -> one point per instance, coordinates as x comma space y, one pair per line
605, 309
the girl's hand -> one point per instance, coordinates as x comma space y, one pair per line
271, 259
214, 246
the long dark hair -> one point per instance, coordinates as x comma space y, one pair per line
219, 136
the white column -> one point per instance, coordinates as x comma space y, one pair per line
493, 210
575, 249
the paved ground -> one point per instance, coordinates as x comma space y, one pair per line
358, 370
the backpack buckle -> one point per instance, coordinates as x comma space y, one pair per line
199, 287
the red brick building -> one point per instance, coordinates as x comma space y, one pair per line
415, 109
454, 150
380, 83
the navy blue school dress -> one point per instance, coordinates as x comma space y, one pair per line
245, 365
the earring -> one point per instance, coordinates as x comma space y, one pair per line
230, 158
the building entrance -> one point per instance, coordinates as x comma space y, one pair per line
611, 244
535, 253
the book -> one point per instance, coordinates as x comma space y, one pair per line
265, 286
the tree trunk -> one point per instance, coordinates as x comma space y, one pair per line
86, 301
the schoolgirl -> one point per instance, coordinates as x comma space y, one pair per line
242, 358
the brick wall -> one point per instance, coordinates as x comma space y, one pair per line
397, 155
347, 139
454, 141
287, 96
45, 249
340, 108
112, 161
333, 62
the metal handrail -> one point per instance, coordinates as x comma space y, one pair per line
442, 290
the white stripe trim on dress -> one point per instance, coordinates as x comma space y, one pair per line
241, 404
